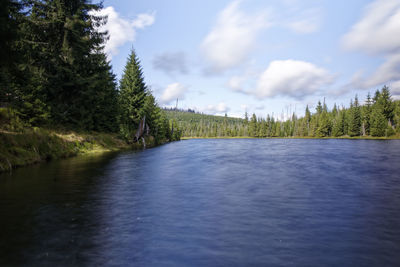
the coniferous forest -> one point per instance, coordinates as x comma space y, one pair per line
54, 72
379, 116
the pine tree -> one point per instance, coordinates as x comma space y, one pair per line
308, 120
253, 126
133, 92
10, 16
387, 104
338, 125
64, 68
366, 115
103, 101
246, 117
334, 110
378, 121
354, 119
324, 127
319, 108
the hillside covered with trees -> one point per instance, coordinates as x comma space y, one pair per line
379, 116
54, 73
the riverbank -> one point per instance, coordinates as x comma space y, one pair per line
37, 145
393, 137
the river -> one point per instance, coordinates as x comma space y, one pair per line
225, 202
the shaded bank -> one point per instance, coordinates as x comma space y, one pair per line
37, 145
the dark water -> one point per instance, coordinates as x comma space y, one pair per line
209, 203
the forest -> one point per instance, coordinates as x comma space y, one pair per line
378, 116
54, 74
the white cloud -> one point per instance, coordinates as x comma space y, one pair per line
220, 108
378, 31
232, 38
292, 78
121, 30
143, 20
172, 92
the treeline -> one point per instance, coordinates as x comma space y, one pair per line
54, 72
193, 124
379, 116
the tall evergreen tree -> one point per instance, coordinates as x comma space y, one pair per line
319, 108
253, 126
133, 92
307, 120
338, 124
103, 101
366, 115
385, 100
354, 119
378, 121
324, 127
64, 62
9, 18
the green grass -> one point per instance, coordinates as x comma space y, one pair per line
36, 145
22, 145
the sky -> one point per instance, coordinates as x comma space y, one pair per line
263, 57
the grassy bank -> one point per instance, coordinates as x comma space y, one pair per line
37, 145
21, 144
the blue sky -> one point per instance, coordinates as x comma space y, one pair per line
261, 56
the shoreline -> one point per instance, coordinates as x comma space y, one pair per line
18, 149
395, 137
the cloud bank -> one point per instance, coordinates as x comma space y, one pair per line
291, 78
121, 30
220, 108
377, 33
172, 92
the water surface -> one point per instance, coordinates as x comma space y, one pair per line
242, 202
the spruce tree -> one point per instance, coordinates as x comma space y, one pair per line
10, 17
324, 127
63, 62
366, 115
337, 125
354, 119
307, 120
319, 108
387, 104
378, 121
253, 126
133, 92
104, 98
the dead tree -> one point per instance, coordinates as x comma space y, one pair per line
142, 130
